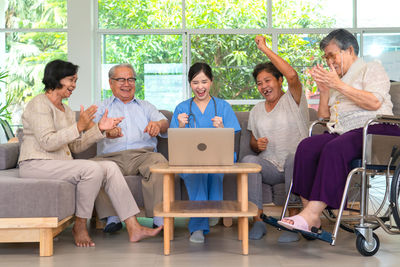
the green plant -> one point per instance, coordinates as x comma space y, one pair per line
4, 113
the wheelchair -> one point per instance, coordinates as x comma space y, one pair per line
371, 201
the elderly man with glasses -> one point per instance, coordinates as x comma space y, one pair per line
131, 145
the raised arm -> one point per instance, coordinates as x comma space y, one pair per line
290, 74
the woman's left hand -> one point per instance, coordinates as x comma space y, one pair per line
106, 123
217, 122
329, 79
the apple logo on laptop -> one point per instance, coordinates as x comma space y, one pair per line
201, 146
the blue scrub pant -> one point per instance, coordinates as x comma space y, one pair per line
203, 186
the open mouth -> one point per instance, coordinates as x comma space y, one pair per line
267, 92
201, 93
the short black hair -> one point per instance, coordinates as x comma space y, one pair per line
268, 67
343, 38
198, 67
55, 71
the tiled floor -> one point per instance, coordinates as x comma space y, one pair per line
220, 249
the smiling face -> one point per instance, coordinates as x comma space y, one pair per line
125, 91
269, 86
68, 84
340, 59
201, 85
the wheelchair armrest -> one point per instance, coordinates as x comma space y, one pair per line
387, 119
378, 119
320, 121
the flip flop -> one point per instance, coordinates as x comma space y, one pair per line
299, 223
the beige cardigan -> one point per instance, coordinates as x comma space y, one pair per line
50, 133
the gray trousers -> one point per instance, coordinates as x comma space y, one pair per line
269, 175
134, 162
89, 177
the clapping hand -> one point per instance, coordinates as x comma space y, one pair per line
183, 119
106, 123
153, 128
217, 122
86, 117
326, 78
316, 73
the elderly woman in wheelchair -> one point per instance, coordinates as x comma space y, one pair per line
351, 92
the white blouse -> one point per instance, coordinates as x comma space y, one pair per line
284, 126
345, 115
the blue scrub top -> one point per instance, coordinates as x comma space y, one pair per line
203, 120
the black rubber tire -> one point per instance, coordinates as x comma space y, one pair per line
394, 196
360, 244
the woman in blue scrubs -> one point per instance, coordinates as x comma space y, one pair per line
203, 111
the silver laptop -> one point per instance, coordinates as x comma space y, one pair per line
200, 146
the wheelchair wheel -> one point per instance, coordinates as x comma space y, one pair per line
364, 248
395, 196
378, 199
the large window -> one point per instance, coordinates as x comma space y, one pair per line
162, 38
32, 32
222, 33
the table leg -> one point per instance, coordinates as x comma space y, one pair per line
245, 235
240, 229
167, 239
167, 192
172, 199
239, 187
244, 196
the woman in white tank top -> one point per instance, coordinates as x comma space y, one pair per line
277, 125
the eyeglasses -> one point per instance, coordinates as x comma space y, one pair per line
330, 56
123, 80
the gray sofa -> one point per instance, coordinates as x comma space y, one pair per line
39, 202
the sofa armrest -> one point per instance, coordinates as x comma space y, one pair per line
9, 153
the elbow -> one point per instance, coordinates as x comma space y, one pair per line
47, 147
292, 76
375, 105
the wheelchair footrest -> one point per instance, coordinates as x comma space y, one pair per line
316, 233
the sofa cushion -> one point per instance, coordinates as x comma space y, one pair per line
25, 197
9, 153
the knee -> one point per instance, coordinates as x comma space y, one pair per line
93, 170
158, 158
249, 159
108, 166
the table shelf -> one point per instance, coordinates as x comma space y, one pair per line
206, 209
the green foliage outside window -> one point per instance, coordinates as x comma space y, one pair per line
27, 53
232, 56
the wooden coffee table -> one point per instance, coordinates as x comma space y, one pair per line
241, 208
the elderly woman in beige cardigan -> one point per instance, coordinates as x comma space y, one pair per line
51, 133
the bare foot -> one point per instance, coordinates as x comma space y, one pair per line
141, 232
138, 232
80, 233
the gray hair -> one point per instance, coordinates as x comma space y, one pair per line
343, 39
111, 72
